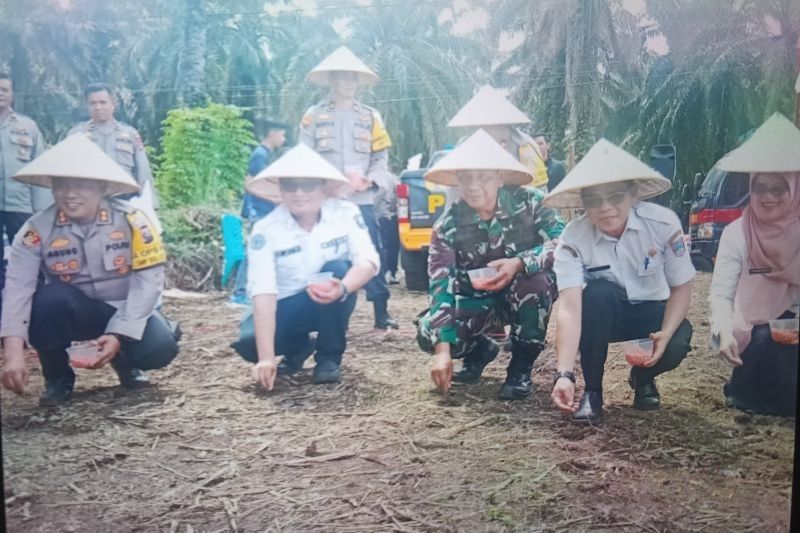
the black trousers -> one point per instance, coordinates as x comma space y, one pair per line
299, 315
62, 313
607, 317
766, 383
376, 288
10, 224
390, 236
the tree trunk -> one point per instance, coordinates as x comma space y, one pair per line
193, 61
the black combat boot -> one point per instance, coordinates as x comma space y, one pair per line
484, 352
382, 318
56, 392
518, 376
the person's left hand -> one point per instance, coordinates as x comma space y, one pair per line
506, 270
660, 340
326, 293
358, 181
109, 348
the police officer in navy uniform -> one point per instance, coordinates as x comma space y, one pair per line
119, 140
623, 272
351, 136
309, 235
103, 265
20, 143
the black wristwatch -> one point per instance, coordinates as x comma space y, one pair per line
345, 293
564, 374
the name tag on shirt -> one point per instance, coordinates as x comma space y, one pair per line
765, 270
288, 251
335, 243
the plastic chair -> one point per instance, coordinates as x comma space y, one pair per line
233, 242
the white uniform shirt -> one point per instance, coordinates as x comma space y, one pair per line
650, 257
281, 255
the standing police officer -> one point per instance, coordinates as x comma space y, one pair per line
499, 224
493, 113
351, 137
20, 143
119, 140
306, 235
103, 265
623, 272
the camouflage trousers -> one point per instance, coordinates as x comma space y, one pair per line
524, 305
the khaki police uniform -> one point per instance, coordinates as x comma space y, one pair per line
104, 277
124, 145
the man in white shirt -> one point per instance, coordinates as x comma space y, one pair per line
623, 272
307, 234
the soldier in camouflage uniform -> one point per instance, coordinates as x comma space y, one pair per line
492, 112
500, 224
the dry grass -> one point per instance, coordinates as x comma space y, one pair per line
206, 451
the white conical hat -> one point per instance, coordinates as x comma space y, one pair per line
341, 60
488, 108
774, 147
301, 162
479, 152
77, 157
606, 163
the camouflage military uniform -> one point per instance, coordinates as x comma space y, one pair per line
460, 314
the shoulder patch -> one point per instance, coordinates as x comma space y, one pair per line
380, 137
257, 242
308, 120
31, 238
147, 250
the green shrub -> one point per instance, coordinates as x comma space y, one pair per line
204, 156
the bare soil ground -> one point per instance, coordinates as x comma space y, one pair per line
207, 452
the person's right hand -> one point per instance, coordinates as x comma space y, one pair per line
264, 372
15, 374
728, 348
564, 395
358, 181
442, 370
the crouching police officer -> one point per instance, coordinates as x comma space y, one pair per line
623, 273
103, 265
496, 223
305, 236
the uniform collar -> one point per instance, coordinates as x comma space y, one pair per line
103, 218
95, 126
12, 117
634, 223
330, 104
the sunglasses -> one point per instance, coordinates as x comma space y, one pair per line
466, 180
761, 189
615, 198
305, 185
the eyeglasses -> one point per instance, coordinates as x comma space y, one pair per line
761, 189
615, 198
465, 180
288, 185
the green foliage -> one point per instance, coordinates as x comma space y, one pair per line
204, 156
193, 238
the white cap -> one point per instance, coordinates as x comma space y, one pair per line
301, 162
488, 108
341, 60
606, 163
774, 147
479, 152
77, 157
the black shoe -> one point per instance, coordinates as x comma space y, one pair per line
292, 364
590, 409
645, 395
132, 378
517, 386
382, 318
327, 372
485, 352
56, 392
391, 279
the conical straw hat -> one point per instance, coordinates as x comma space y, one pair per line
774, 147
479, 152
606, 163
77, 157
342, 60
488, 108
301, 162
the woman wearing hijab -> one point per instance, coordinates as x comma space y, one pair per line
757, 273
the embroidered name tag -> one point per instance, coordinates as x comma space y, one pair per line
288, 251
598, 269
765, 270
334, 243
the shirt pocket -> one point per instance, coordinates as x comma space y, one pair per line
323, 139
124, 150
650, 264
117, 256
289, 259
23, 143
598, 272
